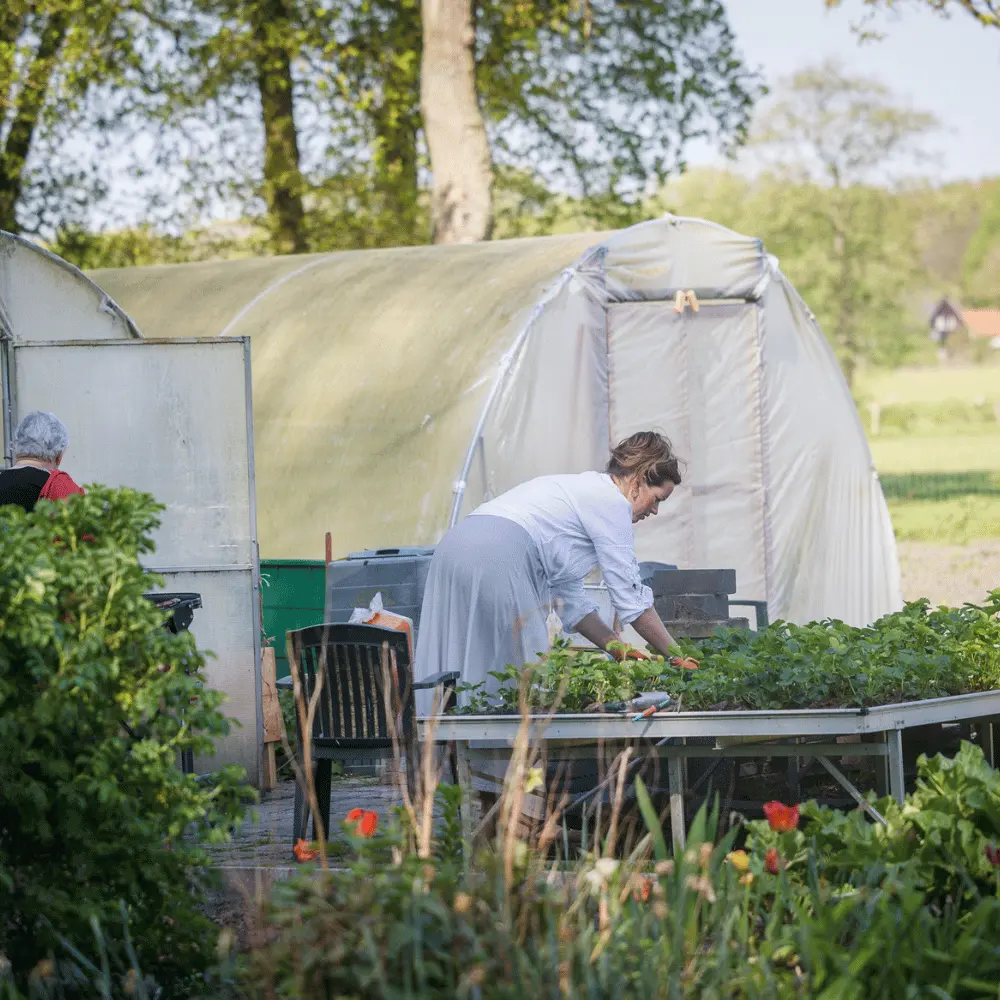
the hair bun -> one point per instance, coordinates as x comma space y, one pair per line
648, 456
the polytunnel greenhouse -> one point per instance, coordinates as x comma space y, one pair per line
394, 390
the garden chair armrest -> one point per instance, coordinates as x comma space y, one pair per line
759, 607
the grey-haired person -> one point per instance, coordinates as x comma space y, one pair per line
40, 442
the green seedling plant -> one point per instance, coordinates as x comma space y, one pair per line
910, 655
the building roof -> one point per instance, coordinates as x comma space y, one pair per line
982, 323
945, 307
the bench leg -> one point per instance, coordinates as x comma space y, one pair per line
881, 765
894, 741
793, 769
985, 734
300, 822
324, 775
675, 781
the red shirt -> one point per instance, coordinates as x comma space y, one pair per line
59, 486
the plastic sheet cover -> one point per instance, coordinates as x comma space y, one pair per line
395, 390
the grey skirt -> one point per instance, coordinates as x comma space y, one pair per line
486, 604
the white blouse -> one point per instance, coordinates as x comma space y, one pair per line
579, 522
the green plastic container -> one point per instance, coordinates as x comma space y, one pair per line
293, 597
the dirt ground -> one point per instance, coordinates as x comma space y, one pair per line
265, 839
950, 574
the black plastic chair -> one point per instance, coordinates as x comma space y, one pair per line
353, 717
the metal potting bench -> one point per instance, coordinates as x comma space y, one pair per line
807, 733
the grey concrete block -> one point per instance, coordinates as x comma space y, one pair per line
693, 629
680, 582
714, 606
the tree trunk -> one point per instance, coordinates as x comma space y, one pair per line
461, 199
25, 116
282, 176
11, 23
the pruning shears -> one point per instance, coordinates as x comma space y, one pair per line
652, 710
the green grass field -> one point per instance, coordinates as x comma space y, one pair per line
930, 385
938, 453
942, 486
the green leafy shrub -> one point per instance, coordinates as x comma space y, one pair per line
97, 700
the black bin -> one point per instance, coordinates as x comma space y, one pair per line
181, 608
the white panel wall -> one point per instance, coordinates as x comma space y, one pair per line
172, 418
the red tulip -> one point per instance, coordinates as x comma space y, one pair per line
364, 822
772, 861
993, 855
782, 818
303, 852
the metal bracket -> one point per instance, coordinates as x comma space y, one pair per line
848, 787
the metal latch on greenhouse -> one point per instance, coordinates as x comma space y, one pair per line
684, 299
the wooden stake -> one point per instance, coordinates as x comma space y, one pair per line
273, 721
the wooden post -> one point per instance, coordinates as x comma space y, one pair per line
329, 548
875, 410
273, 722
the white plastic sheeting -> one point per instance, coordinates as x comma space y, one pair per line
396, 389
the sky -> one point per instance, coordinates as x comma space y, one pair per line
949, 67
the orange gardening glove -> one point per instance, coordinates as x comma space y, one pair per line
684, 662
627, 654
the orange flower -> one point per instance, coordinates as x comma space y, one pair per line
782, 818
303, 852
641, 885
773, 861
364, 822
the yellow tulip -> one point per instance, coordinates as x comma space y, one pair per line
740, 860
